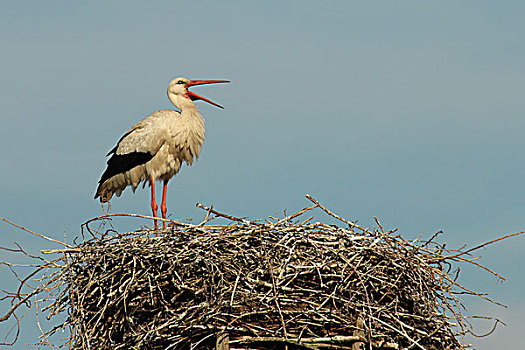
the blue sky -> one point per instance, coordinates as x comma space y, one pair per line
411, 111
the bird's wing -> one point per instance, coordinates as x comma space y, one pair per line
137, 146
147, 136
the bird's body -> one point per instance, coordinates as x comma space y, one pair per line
156, 147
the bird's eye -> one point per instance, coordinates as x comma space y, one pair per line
180, 82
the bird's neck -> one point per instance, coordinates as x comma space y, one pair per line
191, 114
183, 103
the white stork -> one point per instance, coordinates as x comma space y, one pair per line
155, 148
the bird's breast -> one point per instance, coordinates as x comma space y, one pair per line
188, 138
183, 146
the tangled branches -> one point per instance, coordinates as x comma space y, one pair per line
279, 284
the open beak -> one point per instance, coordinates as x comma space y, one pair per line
193, 96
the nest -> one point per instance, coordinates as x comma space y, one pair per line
279, 284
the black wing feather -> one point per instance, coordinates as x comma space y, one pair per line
119, 163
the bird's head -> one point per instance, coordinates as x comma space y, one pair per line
178, 89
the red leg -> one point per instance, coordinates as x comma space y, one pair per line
163, 208
154, 205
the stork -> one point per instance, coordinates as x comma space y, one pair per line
156, 147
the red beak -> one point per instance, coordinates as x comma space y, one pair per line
193, 96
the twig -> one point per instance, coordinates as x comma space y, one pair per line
485, 244
229, 217
349, 223
36, 234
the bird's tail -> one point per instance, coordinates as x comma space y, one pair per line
103, 192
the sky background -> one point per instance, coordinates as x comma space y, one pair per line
411, 111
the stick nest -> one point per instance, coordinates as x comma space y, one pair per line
278, 284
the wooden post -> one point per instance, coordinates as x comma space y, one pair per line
223, 342
360, 331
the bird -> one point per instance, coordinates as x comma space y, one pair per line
157, 146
